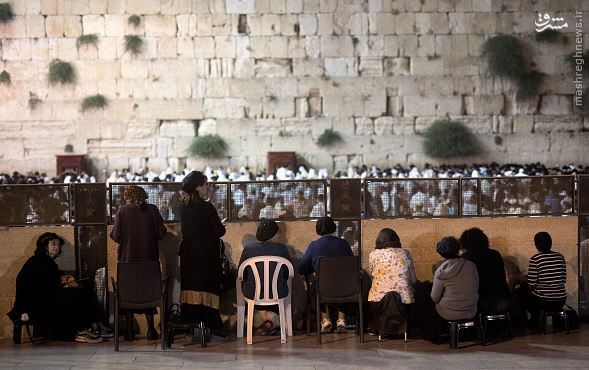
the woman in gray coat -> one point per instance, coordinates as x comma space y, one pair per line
456, 283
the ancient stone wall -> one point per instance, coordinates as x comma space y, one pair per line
272, 75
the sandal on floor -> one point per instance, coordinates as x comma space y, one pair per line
266, 328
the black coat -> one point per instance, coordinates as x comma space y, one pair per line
492, 280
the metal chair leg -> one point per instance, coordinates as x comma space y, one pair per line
318, 314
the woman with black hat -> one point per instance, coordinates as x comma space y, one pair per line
266, 230
54, 302
200, 261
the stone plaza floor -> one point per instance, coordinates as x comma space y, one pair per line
551, 351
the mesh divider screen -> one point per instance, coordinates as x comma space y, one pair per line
165, 196
411, 198
583, 191
470, 197
527, 195
273, 200
43, 204
89, 203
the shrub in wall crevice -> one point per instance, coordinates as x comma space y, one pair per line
208, 146
61, 72
97, 101
448, 139
328, 138
6, 13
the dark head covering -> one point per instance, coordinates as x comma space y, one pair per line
448, 247
543, 241
474, 238
192, 180
266, 230
325, 225
44, 240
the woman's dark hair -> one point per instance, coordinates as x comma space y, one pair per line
543, 241
387, 238
474, 238
43, 242
448, 247
134, 194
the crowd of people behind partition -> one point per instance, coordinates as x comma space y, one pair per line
304, 172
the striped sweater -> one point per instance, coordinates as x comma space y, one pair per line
547, 275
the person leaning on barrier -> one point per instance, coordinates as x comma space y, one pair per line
392, 271
327, 245
546, 278
494, 294
52, 301
266, 230
137, 228
454, 290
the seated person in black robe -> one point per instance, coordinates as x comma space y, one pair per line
54, 302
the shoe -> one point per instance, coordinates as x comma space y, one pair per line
87, 338
325, 326
91, 333
152, 334
106, 332
372, 332
340, 327
265, 328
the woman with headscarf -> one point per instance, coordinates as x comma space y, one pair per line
137, 229
53, 301
265, 232
200, 259
328, 245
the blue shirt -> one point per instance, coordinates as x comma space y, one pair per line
264, 249
325, 246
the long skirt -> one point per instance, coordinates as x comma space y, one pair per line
200, 289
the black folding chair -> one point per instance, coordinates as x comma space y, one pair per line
339, 281
139, 286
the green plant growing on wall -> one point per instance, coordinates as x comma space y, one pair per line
133, 44
504, 55
61, 72
548, 35
6, 13
447, 139
208, 146
97, 101
134, 20
90, 39
329, 137
34, 101
5, 78
69, 148
528, 85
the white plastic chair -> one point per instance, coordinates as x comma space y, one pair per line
284, 304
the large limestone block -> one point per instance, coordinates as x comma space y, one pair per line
16, 49
16, 28
523, 123
273, 67
364, 126
54, 26
336, 46
370, 46
341, 67
134, 69
170, 110
223, 108
477, 124
240, 6
570, 123
225, 47
116, 6
114, 25
207, 127
278, 107
419, 105
48, 7
405, 24
160, 25
480, 23
423, 66
72, 26
177, 128
93, 24
556, 105
268, 127
143, 6
307, 67
484, 104
35, 25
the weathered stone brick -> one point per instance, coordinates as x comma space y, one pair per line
160, 25
336, 46
338, 67
556, 105
72, 26
143, 6
544, 124
364, 126
93, 24
48, 7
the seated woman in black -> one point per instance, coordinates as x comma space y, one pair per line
494, 294
267, 229
52, 301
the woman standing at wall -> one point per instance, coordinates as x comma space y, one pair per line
138, 227
200, 262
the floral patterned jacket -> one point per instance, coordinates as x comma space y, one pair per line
391, 270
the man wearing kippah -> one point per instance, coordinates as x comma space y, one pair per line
327, 245
266, 230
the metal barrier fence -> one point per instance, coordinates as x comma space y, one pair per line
505, 196
34, 205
